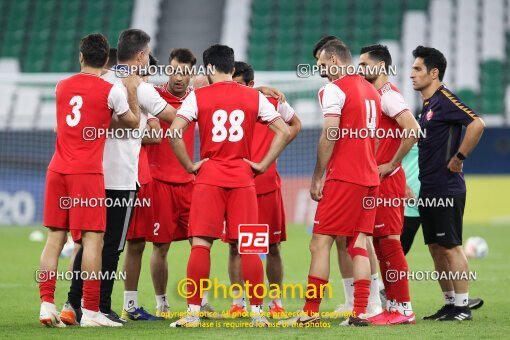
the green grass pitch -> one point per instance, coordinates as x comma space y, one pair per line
19, 301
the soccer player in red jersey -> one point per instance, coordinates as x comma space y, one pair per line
377, 293
226, 113
396, 121
172, 185
84, 101
269, 198
349, 103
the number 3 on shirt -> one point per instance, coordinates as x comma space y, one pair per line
76, 102
219, 131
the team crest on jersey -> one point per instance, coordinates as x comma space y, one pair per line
429, 115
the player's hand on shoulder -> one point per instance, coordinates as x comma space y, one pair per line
272, 92
258, 168
455, 164
196, 166
132, 81
316, 189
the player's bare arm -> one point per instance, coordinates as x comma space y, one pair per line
272, 92
280, 141
152, 137
294, 127
168, 114
473, 134
324, 152
179, 147
410, 129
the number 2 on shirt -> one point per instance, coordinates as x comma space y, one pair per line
219, 131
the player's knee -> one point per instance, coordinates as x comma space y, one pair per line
161, 249
136, 246
314, 246
354, 250
357, 251
341, 243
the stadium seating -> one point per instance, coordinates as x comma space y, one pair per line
283, 33
43, 34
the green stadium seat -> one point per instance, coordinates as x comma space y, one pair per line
345, 6
469, 98
420, 5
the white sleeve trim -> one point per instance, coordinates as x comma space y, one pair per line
189, 108
149, 99
286, 111
393, 104
267, 112
117, 100
332, 101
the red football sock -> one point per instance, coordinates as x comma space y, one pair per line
396, 261
361, 293
253, 273
47, 287
91, 294
314, 294
199, 265
384, 269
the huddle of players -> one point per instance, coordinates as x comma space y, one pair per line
87, 100
231, 153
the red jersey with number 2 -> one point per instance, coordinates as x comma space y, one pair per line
226, 113
358, 105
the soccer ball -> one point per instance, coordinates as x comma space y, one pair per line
67, 251
476, 247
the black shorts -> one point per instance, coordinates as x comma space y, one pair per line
442, 224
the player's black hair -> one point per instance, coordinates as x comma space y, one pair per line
320, 44
338, 48
183, 55
152, 60
112, 58
432, 59
221, 57
245, 70
94, 48
131, 42
378, 53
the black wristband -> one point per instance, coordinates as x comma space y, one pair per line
460, 156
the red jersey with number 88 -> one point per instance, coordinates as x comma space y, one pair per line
358, 105
226, 113
85, 104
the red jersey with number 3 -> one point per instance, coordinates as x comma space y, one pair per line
358, 105
226, 113
393, 105
163, 163
85, 103
263, 137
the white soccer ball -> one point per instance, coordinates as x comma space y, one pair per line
36, 236
67, 251
476, 247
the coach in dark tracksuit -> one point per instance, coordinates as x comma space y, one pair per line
442, 152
